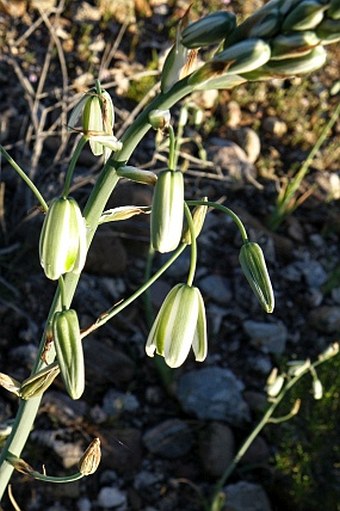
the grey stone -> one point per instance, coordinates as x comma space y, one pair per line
274, 126
269, 337
326, 319
145, 478
257, 453
244, 496
112, 498
314, 273
217, 288
115, 403
84, 504
213, 393
170, 439
335, 293
216, 448
249, 141
232, 162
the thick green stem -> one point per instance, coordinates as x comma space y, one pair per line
193, 246
72, 165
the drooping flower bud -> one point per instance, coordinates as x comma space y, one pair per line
143, 177
180, 324
198, 216
167, 211
255, 270
62, 245
159, 119
69, 350
317, 389
292, 45
211, 29
328, 30
306, 15
90, 460
334, 10
245, 56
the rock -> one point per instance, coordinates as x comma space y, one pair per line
107, 255
112, 498
233, 114
326, 319
217, 288
205, 99
106, 364
232, 162
145, 479
169, 439
257, 453
269, 337
84, 504
314, 273
122, 449
249, 141
257, 401
216, 448
274, 126
244, 496
115, 403
213, 393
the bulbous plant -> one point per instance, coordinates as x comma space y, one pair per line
284, 38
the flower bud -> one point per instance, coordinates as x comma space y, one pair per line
286, 46
306, 15
90, 460
198, 216
245, 56
159, 119
292, 66
275, 383
317, 389
180, 324
36, 384
69, 350
328, 31
209, 30
144, 177
255, 270
122, 213
334, 10
167, 211
62, 245
10, 384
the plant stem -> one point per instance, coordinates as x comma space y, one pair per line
72, 165
193, 245
172, 145
258, 428
236, 219
99, 196
25, 178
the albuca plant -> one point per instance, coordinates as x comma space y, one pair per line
284, 38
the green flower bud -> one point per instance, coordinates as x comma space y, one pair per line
267, 26
328, 31
306, 15
334, 10
293, 45
144, 177
198, 216
175, 62
209, 30
36, 384
90, 460
69, 350
159, 119
298, 65
167, 211
317, 389
180, 324
255, 270
62, 245
245, 56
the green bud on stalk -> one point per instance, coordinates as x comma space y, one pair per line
62, 245
334, 10
293, 45
211, 29
298, 65
255, 270
305, 16
159, 119
198, 216
328, 31
245, 56
180, 324
69, 350
167, 211
144, 177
